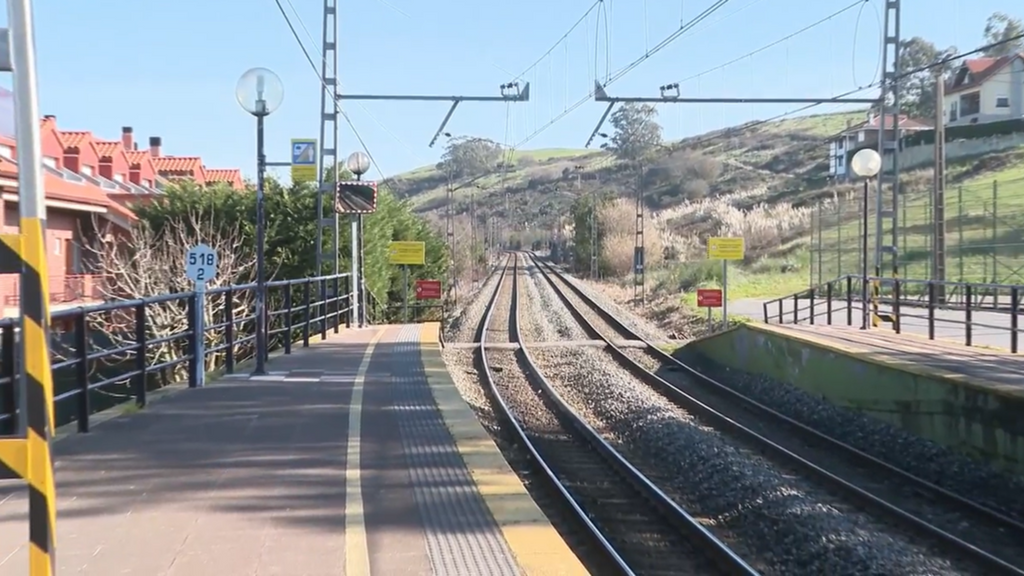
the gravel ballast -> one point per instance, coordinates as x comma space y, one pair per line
923, 458
786, 525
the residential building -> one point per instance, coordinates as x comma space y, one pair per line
90, 186
986, 90
865, 135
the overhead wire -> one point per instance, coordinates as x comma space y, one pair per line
875, 84
626, 69
323, 82
775, 43
576, 25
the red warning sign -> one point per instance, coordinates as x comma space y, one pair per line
428, 289
709, 298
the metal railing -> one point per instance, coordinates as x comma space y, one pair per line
105, 354
956, 309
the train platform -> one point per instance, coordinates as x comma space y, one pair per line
965, 398
988, 368
354, 456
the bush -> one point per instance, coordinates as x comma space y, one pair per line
618, 238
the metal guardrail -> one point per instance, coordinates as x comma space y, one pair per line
107, 353
841, 301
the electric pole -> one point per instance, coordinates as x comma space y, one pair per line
670, 95
639, 278
939, 201
472, 237
329, 150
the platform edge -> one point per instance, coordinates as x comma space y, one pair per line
975, 383
538, 548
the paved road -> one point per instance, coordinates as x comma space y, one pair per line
989, 328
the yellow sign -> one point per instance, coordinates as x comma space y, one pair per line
303, 160
725, 248
407, 253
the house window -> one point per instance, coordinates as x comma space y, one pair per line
6, 152
953, 112
970, 104
49, 161
87, 170
860, 136
1002, 101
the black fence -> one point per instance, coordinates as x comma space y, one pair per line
110, 353
959, 310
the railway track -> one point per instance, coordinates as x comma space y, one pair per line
972, 531
623, 517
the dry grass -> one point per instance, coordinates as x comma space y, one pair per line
618, 221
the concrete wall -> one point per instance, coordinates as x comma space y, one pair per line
969, 419
923, 155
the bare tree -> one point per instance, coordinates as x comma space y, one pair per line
144, 262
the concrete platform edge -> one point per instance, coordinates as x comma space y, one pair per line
973, 420
974, 383
537, 546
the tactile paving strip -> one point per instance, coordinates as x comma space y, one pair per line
462, 536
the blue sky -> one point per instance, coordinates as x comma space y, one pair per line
169, 68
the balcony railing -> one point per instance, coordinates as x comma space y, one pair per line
63, 289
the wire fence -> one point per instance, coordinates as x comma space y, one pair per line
984, 225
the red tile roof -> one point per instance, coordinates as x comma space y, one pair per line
60, 189
75, 139
232, 176
980, 70
107, 148
137, 157
178, 164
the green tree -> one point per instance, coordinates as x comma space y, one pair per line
637, 133
466, 157
918, 90
1001, 27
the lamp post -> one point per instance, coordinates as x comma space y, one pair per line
260, 92
866, 164
358, 163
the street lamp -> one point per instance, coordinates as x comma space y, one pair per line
358, 163
260, 92
866, 164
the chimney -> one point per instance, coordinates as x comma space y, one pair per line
127, 140
154, 146
135, 146
849, 123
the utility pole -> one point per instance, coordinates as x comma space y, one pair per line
888, 147
329, 151
449, 234
939, 201
639, 276
472, 237
670, 95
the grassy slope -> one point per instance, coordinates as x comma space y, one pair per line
784, 162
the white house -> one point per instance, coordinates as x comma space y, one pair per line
986, 90
862, 135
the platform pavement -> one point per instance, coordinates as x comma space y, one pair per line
251, 475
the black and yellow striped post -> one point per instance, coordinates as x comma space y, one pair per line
28, 454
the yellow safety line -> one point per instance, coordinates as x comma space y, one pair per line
357, 551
